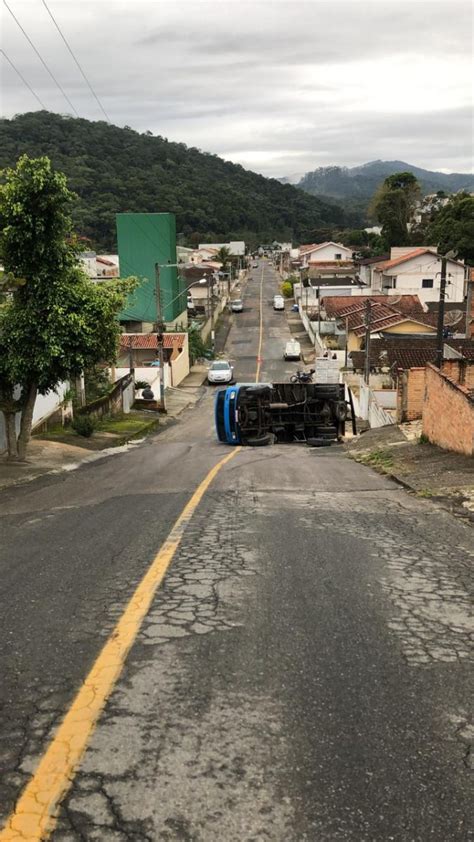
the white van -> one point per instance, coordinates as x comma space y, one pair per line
278, 302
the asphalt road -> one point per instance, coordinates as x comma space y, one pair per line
303, 673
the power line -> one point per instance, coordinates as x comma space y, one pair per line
24, 80
77, 62
53, 77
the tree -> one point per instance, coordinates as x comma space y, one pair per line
54, 321
223, 256
453, 228
393, 206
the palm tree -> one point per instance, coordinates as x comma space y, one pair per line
223, 256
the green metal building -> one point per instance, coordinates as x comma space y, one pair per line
145, 241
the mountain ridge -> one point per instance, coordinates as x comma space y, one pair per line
361, 182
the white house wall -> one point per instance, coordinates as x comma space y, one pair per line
410, 275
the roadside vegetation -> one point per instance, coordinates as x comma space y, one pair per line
55, 322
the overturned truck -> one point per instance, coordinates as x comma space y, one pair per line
260, 414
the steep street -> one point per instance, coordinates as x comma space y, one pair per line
303, 672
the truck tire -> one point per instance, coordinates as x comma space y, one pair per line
260, 441
318, 442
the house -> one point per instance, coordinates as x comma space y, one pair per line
418, 271
236, 247
99, 266
404, 315
198, 292
365, 265
323, 252
141, 351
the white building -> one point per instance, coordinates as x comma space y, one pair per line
236, 247
418, 272
323, 253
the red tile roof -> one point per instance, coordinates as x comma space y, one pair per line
388, 264
339, 305
149, 341
386, 311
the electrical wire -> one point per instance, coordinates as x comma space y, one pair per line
24, 80
76, 61
53, 77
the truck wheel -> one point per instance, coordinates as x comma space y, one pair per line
260, 441
318, 442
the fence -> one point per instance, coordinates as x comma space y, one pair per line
370, 410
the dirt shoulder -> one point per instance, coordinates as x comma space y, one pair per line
422, 468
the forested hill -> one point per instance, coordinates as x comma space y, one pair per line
361, 182
114, 170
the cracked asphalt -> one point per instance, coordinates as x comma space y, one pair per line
305, 670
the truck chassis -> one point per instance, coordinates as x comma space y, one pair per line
259, 414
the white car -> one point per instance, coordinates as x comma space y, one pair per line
237, 305
220, 371
292, 350
278, 302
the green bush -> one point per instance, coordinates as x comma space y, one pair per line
287, 289
141, 384
83, 426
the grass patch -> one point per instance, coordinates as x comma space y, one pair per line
425, 492
123, 424
380, 459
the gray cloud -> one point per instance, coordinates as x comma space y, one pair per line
278, 86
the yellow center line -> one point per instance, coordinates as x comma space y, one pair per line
260, 338
35, 812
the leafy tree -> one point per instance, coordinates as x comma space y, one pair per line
55, 322
453, 228
393, 206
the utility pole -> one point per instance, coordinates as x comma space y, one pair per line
442, 298
160, 326
347, 340
368, 319
210, 308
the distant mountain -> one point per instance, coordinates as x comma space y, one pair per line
114, 169
361, 182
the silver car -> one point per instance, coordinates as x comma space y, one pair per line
220, 371
237, 305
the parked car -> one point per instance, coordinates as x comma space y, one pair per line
220, 371
237, 305
278, 302
292, 350
254, 265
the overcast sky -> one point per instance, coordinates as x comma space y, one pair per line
280, 86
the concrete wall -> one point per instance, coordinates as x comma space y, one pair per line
448, 412
120, 399
45, 406
370, 410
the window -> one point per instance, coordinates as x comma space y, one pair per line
338, 257
427, 283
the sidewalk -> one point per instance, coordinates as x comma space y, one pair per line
298, 332
425, 469
66, 451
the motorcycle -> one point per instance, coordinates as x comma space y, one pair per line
302, 376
